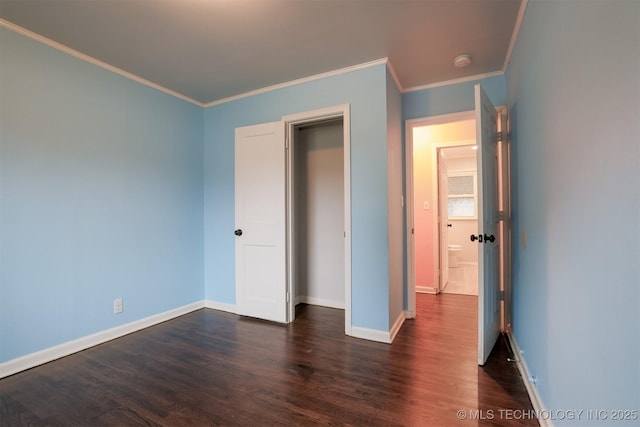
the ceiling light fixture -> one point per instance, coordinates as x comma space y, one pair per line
462, 61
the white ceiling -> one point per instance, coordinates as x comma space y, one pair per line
209, 50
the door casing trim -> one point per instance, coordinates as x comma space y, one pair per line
310, 117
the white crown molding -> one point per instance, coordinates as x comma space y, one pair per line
56, 352
455, 81
298, 82
37, 37
514, 35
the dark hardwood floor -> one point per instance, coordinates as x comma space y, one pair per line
215, 368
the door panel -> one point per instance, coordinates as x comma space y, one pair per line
260, 216
488, 251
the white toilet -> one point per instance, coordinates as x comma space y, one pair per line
454, 250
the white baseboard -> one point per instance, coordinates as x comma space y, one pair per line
426, 290
409, 314
320, 301
396, 326
52, 353
222, 306
371, 334
536, 400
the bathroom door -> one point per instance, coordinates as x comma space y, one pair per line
488, 219
443, 218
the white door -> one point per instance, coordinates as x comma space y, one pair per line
260, 221
443, 218
488, 252
504, 148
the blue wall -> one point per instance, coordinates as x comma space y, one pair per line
101, 197
397, 216
452, 98
574, 95
104, 193
365, 91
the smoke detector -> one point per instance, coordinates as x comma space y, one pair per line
462, 61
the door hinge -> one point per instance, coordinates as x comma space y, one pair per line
286, 143
499, 135
501, 295
500, 215
288, 298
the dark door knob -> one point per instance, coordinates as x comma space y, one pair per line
489, 238
238, 232
474, 238
449, 225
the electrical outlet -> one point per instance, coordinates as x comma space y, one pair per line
117, 305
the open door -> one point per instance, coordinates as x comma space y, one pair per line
260, 216
443, 219
504, 156
488, 221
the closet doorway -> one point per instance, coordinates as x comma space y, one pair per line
318, 219
289, 198
319, 210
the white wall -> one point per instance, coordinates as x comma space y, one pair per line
319, 222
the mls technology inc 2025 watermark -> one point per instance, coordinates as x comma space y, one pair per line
611, 415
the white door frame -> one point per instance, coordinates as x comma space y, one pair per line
411, 268
435, 149
505, 200
309, 117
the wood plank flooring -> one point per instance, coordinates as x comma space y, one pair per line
215, 368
